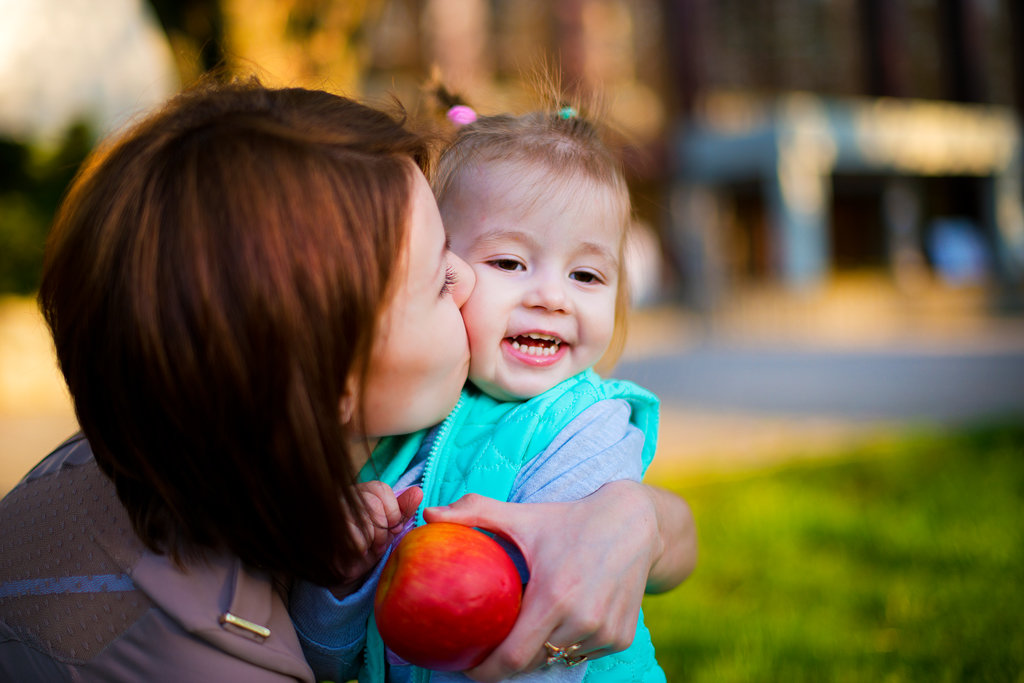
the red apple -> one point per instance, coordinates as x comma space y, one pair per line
447, 596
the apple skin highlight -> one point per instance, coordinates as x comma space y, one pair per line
447, 596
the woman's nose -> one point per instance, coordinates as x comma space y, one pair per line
465, 279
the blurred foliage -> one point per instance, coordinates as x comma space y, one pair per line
195, 29
32, 183
900, 562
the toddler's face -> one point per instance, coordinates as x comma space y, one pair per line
546, 259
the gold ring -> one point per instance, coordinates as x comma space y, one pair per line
563, 655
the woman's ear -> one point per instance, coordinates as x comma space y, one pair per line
347, 404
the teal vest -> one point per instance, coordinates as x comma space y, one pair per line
480, 448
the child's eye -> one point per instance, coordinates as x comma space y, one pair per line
450, 280
508, 264
586, 277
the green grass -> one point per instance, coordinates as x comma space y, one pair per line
897, 562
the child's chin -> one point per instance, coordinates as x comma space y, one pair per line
515, 391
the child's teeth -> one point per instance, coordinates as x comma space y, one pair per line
537, 350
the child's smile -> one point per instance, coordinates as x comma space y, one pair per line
535, 348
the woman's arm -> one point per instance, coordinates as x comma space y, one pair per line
590, 562
678, 534
599, 446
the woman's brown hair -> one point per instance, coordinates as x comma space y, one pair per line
212, 282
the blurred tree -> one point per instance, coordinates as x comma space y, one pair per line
684, 20
195, 29
310, 43
883, 30
963, 55
31, 186
457, 40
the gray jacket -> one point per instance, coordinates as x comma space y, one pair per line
81, 599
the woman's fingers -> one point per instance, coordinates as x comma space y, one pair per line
504, 519
538, 623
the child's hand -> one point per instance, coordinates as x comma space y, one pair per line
386, 516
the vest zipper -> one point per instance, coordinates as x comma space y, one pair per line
436, 452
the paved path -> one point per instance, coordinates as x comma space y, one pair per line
771, 379
726, 408
775, 379
852, 385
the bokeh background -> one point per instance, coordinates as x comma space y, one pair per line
827, 269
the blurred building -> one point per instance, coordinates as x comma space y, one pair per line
766, 141
819, 137
779, 141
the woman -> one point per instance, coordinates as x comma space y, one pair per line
228, 286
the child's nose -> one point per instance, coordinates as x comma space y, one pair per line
465, 279
548, 291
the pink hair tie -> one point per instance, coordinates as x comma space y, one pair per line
460, 115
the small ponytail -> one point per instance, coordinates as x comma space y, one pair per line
452, 105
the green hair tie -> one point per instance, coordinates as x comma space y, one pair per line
567, 113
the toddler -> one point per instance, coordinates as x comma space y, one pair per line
539, 208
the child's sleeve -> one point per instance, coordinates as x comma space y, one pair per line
332, 631
599, 445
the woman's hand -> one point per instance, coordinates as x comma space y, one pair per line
385, 519
589, 564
